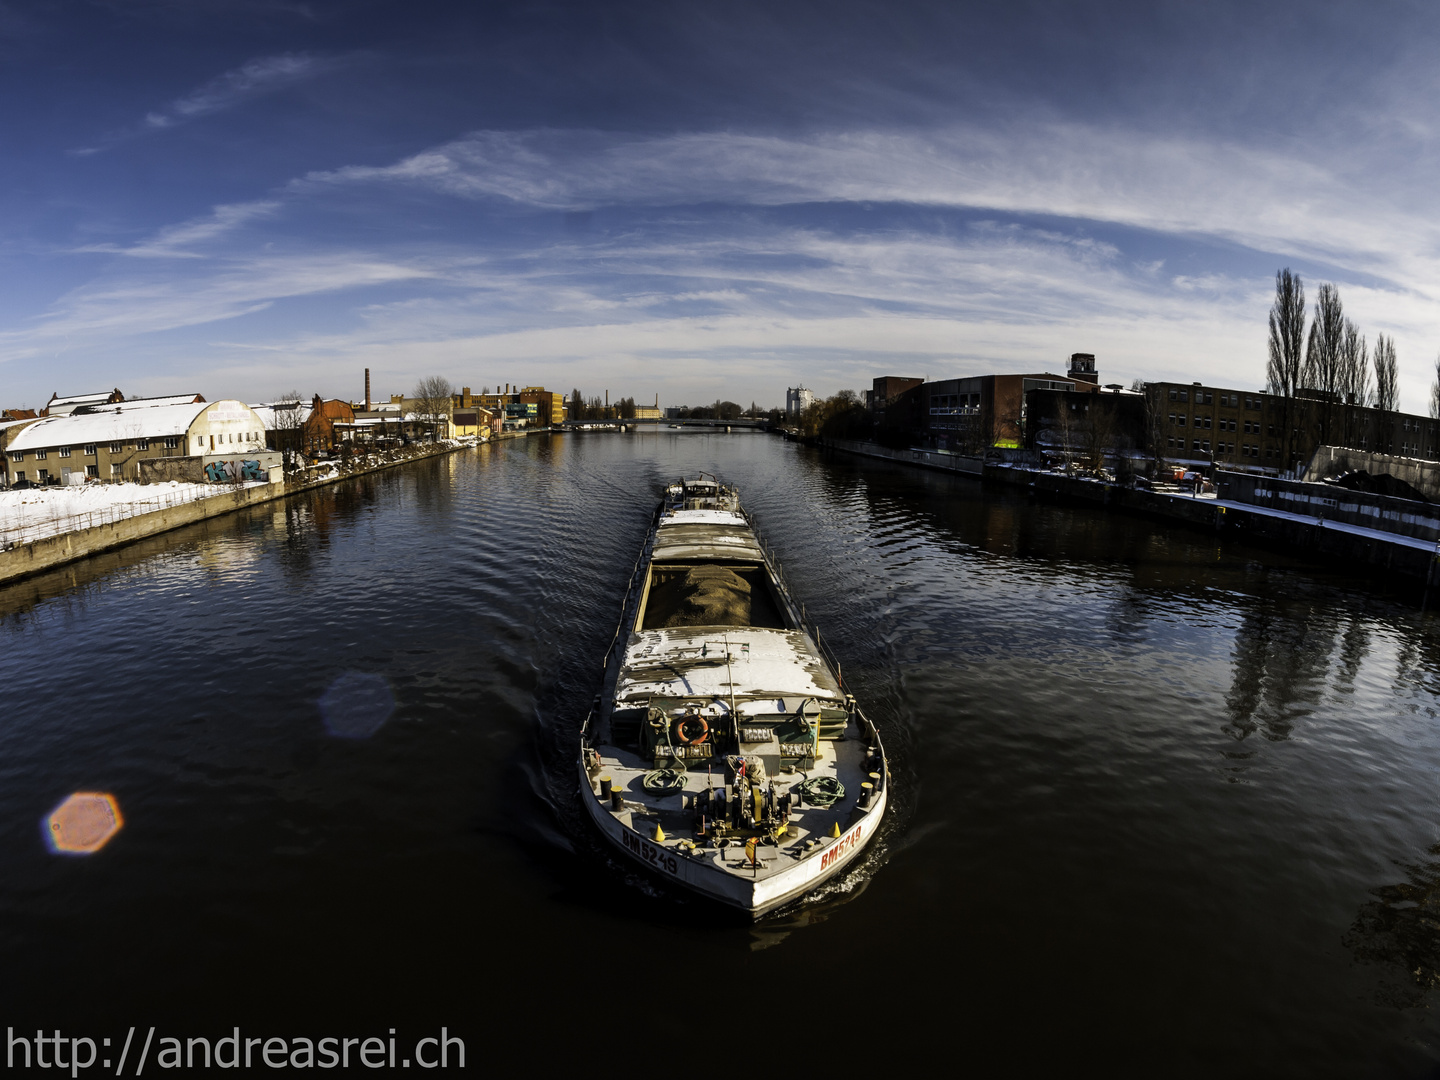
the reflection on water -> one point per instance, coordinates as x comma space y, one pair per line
1399, 930
1281, 658
1140, 775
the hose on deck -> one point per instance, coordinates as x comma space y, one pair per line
821, 791
664, 781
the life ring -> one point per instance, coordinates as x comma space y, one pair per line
689, 721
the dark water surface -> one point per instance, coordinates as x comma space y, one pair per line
1162, 804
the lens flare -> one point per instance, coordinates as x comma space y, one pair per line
356, 705
83, 823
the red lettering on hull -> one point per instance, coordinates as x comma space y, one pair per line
840, 847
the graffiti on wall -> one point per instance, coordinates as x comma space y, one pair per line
234, 472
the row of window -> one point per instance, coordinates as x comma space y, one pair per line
42, 476
172, 442
1208, 397
1202, 446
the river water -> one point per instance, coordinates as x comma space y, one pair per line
1161, 803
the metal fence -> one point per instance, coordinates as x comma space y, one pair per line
44, 527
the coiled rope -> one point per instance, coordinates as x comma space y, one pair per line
664, 781
821, 790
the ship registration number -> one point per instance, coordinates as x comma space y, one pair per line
840, 847
650, 853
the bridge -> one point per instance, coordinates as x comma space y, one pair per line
658, 425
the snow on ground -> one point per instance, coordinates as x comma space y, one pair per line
35, 513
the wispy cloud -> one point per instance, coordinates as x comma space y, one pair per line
262, 75
144, 305
178, 241
1265, 198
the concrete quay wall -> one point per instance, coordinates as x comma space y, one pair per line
1298, 537
39, 556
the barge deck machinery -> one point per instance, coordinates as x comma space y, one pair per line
724, 752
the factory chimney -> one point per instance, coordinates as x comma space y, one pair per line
367, 389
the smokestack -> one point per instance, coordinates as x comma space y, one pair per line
607, 399
367, 389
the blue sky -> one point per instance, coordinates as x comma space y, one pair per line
695, 200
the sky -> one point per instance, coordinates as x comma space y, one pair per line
701, 200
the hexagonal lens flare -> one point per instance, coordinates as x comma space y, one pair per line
83, 823
356, 705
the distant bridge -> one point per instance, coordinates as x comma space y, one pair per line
659, 425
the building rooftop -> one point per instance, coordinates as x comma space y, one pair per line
114, 424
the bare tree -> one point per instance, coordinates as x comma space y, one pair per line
1354, 369
1323, 353
1435, 392
1098, 433
1327, 339
1064, 404
434, 398
1287, 333
1154, 426
1353, 381
1387, 380
289, 413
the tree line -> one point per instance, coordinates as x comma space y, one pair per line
1330, 361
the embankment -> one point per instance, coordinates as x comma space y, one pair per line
1406, 560
39, 556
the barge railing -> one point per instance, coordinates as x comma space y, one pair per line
772, 562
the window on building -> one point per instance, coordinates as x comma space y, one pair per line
17, 455
1174, 395
172, 441
92, 470
90, 449
44, 475
142, 444
1195, 446
114, 470
1205, 446
19, 475
40, 455
116, 447
1207, 421
1184, 395
1172, 419
1180, 420
64, 451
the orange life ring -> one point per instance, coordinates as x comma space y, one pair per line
691, 719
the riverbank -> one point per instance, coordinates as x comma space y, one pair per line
45, 553
1406, 561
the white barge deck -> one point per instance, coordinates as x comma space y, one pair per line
724, 752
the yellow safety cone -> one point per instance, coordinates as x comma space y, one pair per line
835, 832
660, 834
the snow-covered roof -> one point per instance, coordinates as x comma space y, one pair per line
64, 406
81, 399
267, 412
115, 424
143, 403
